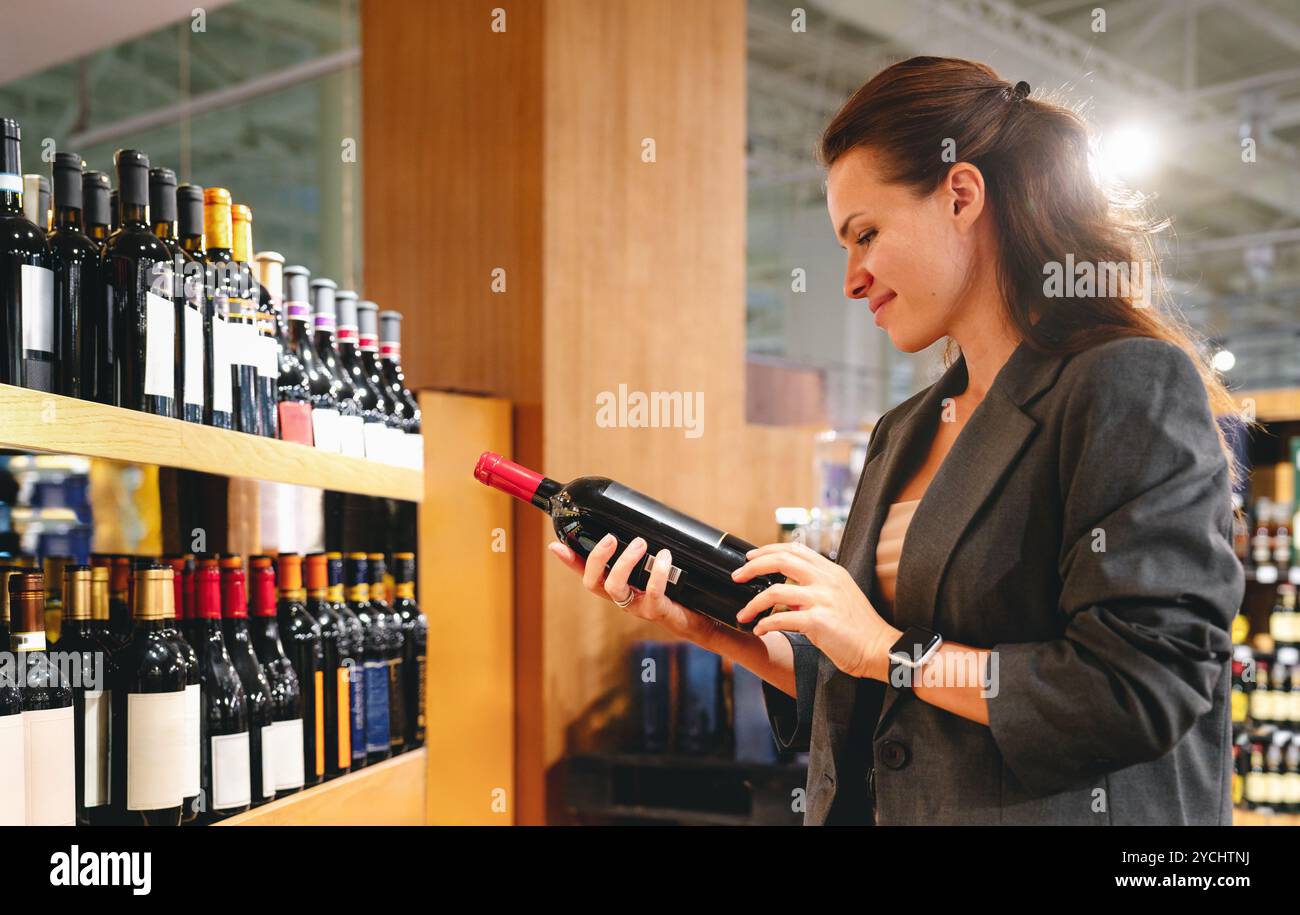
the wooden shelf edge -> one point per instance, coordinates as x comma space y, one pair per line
389, 793
35, 421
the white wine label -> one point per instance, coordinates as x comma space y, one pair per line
270, 773
415, 441
396, 446
155, 750
222, 400
376, 440
51, 767
352, 440
231, 785
289, 770
325, 429
243, 348
160, 346
11, 183
268, 362
38, 308
13, 771
193, 741
193, 357
95, 762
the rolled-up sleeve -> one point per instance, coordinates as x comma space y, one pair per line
1149, 582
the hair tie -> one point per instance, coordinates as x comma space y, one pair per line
1020, 92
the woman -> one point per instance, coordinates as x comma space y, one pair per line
1049, 644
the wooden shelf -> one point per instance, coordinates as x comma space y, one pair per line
390, 793
1271, 404
34, 421
1252, 818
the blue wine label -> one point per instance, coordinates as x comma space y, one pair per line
377, 736
356, 678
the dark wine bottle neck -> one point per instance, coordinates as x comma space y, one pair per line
68, 218
11, 203
134, 214
545, 491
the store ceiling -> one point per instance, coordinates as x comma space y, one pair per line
1188, 77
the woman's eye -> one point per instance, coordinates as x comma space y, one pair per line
866, 237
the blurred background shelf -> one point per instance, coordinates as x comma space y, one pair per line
389, 793
35, 421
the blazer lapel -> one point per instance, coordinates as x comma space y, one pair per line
983, 454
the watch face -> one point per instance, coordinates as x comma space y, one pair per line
915, 644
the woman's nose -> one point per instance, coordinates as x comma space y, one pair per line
856, 283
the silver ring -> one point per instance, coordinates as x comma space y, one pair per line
631, 593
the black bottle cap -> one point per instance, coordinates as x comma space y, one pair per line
334, 568
403, 567
67, 180
355, 569
189, 209
132, 177
11, 162
95, 189
297, 282
162, 195
114, 209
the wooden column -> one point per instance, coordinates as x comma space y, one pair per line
594, 151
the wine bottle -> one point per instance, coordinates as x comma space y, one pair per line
13, 743
99, 711
114, 210
257, 690
378, 736
26, 278
375, 421
352, 655
49, 729
186, 294
390, 360
377, 573
393, 441
352, 440
138, 292
415, 631
53, 567
148, 733
97, 325
337, 696
78, 281
193, 701
293, 396
84, 652
243, 324
36, 200
227, 378
303, 643
328, 426
120, 623
227, 779
584, 510
268, 365
286, 692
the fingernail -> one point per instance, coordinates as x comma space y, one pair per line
750, 553
638, 543
664, 559
607, 540
735, 572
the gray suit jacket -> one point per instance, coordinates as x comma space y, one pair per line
1081, 528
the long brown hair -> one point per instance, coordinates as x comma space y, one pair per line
1046, 202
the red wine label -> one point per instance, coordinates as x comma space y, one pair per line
342, 685
390, 350
368, 343
295, 422
347, 333
319, 686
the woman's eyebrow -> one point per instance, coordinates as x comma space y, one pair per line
844, 226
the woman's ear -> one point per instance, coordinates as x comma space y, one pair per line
963, 189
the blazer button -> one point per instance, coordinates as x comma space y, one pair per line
894, 754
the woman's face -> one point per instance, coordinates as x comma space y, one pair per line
910, 257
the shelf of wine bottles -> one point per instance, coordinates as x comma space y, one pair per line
161, 305
190, 689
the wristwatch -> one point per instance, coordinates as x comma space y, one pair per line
913, 649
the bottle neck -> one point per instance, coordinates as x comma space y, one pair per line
11, 203
515, 479
164, 229
68, 218
134, 215
192, 244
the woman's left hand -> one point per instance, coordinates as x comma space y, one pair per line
826, 605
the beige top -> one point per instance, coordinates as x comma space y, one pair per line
890, 548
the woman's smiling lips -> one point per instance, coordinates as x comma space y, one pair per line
878, 303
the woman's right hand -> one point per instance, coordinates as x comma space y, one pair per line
651, 604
